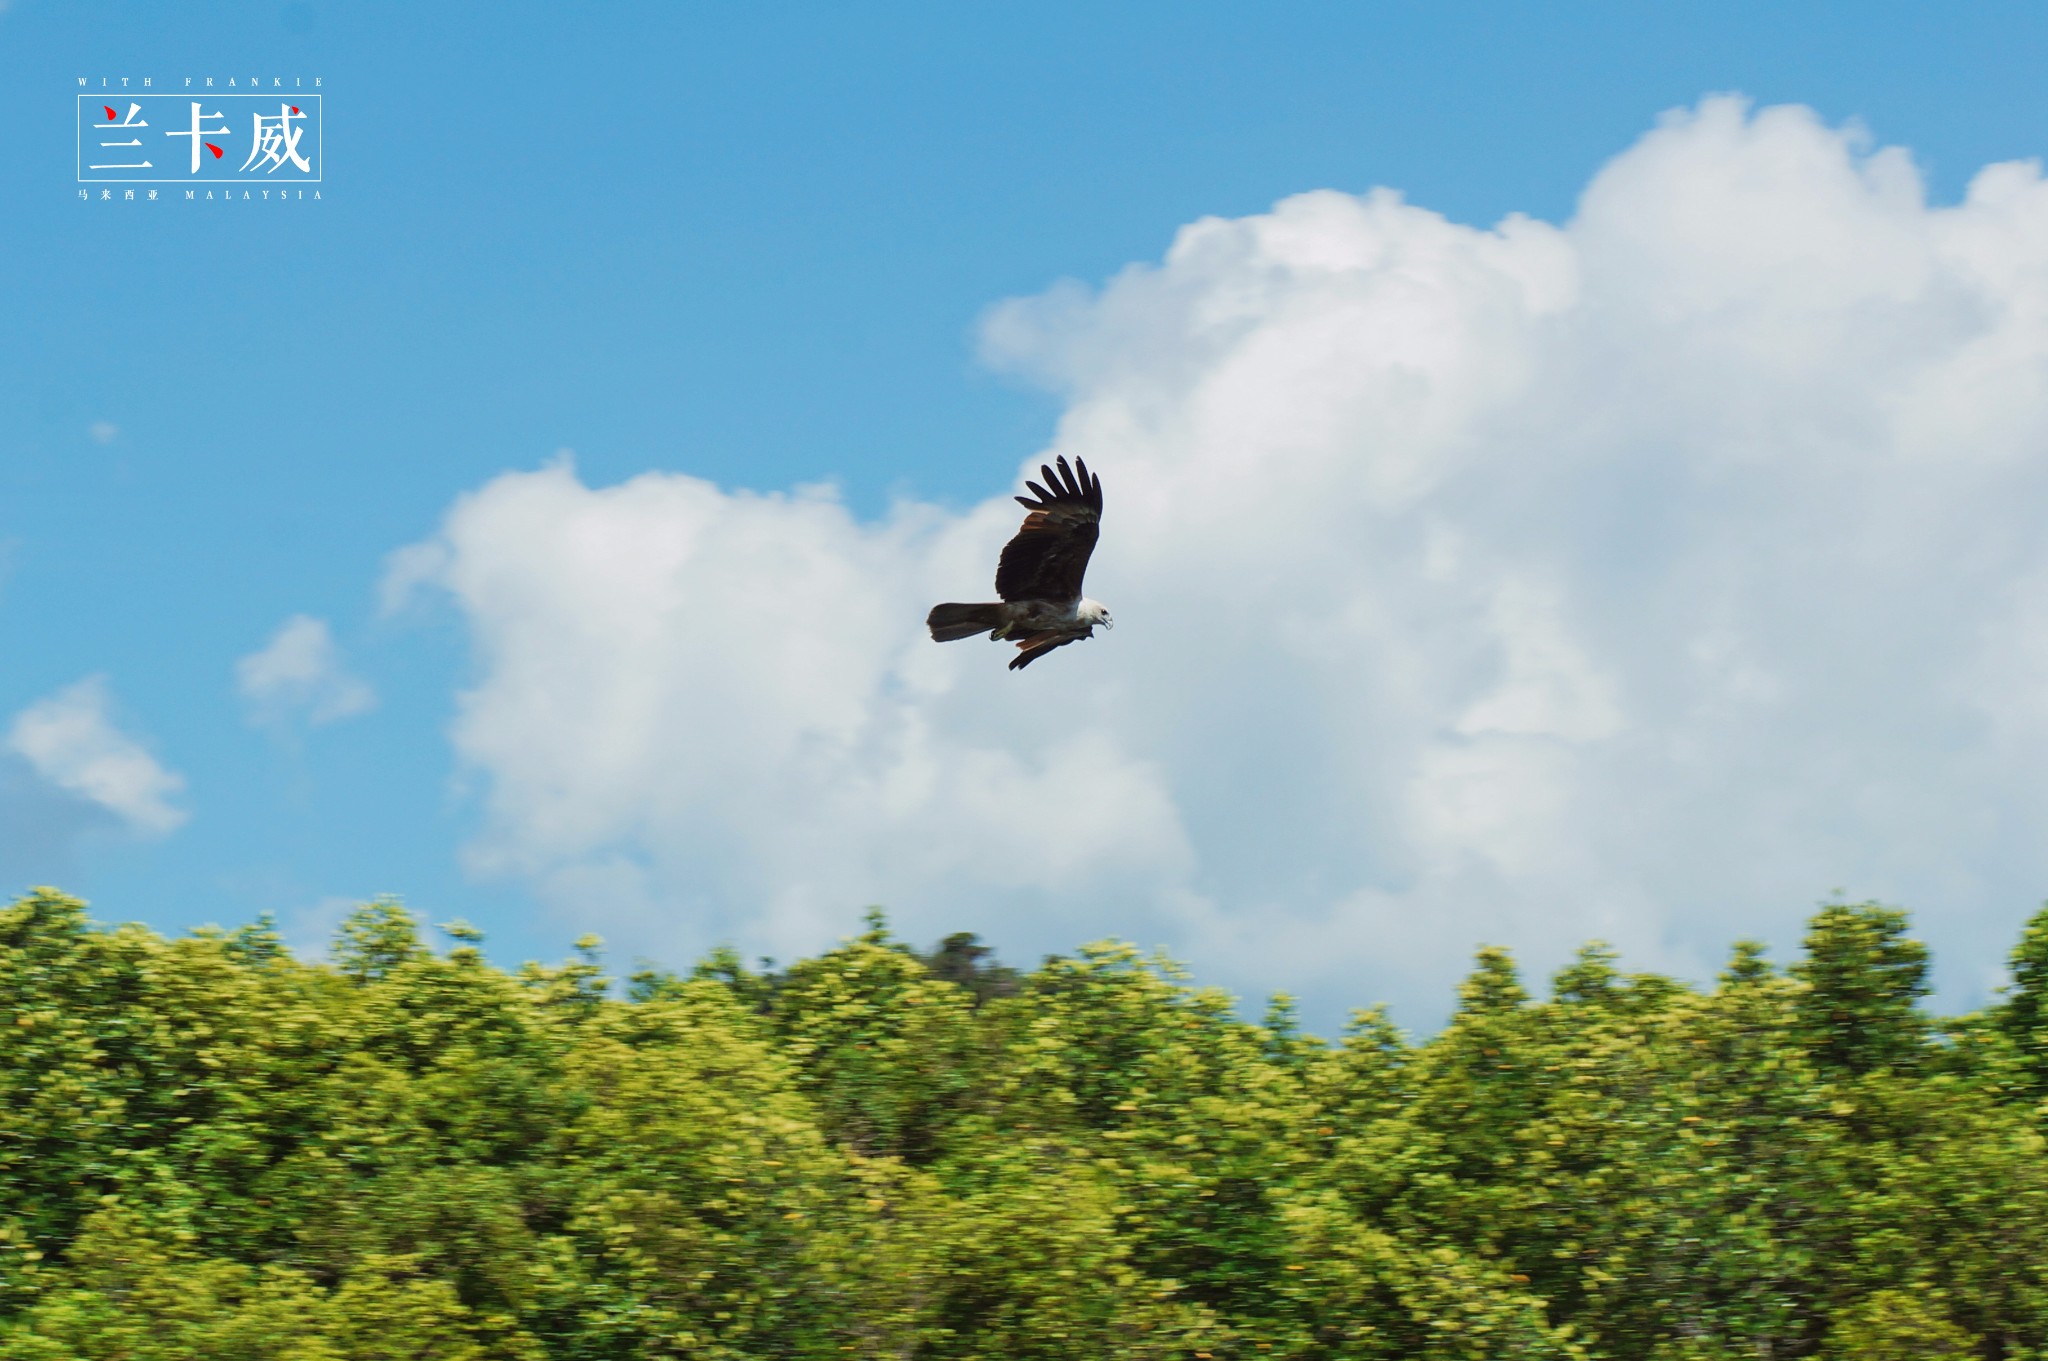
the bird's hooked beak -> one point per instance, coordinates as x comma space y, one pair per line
1105, 622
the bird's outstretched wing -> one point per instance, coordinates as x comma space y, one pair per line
1049, 555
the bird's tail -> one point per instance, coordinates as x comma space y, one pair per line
951, 622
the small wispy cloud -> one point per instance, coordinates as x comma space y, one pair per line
299, 671
70, 740
406, 571
308, 930
103, 432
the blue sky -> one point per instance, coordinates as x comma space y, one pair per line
755, 246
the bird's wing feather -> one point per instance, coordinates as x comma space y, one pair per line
1037, 645
1049, 555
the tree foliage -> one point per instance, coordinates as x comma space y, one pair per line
212, 1149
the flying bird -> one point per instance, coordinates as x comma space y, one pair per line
1039, 574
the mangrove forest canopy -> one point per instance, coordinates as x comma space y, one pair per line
211, 1149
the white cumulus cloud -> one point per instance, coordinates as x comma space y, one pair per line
69, 739
704, 708
1647, 576
299, 671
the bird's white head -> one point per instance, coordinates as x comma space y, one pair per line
1094, 612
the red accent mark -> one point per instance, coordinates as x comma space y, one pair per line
214, 149
110, 113
295, 108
